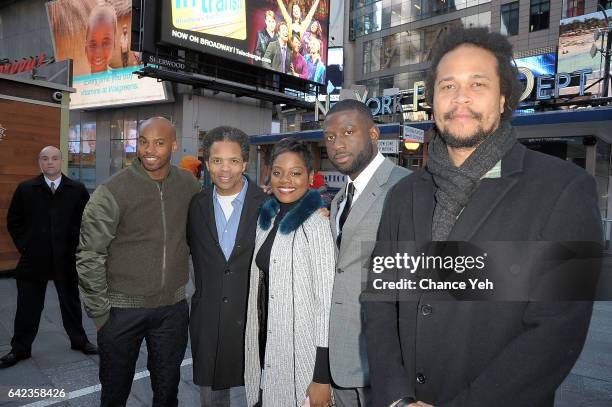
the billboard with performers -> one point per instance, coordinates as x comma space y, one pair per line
95, 34
576, 38
289, 37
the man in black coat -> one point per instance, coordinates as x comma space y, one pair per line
221, 234
479, 185
44, 220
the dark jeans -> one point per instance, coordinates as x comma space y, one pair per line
119, 340
30, 303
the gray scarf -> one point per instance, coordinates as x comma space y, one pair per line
456, 184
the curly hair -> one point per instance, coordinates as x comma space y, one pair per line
497, 44
226, 133
292, 145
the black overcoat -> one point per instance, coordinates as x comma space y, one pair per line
450, 353
45, 227
218, 307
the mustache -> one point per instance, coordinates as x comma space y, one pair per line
452, 113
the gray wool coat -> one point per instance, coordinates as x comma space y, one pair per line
302, 264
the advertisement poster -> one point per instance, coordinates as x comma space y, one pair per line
538, 65
576, 37
289, 37
96, 36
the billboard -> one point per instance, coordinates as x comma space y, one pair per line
335, 70
289, 37
576, 37
96, 36
538, 65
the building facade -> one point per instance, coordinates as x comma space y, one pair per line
389, 41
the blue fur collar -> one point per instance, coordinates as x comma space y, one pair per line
309, 203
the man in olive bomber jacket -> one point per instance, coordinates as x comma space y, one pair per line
132, 263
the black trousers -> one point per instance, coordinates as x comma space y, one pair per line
30, 303
165, 331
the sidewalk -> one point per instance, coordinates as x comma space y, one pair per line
55, 365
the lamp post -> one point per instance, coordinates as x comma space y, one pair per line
607, 54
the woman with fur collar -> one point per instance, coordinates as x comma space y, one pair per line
292, 273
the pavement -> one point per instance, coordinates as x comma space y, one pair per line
55, 365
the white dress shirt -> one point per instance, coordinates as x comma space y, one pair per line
56, 182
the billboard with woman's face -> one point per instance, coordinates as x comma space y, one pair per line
95, 34
286, 36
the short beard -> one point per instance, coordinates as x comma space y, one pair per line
473, 140
361, 161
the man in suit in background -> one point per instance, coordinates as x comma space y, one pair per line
43, 220
480, 185
221, 235
279, 52
351, 139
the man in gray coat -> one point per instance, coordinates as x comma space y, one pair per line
351, 139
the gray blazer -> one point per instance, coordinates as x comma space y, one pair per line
275, 54
348, 358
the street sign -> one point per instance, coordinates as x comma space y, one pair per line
413, 133
388, 146
333, 179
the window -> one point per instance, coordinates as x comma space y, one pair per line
375, 59
539, 15
573, 8
124, 140
88, 154
371, 55
370, 16
82, 153
390, 55
410, 49
510, 18
477, 20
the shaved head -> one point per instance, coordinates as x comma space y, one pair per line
50, 150
159, 125
156, 143
50, 162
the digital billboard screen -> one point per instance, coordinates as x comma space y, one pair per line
286, 37
96, 36
543, 64
538, 65
576, 37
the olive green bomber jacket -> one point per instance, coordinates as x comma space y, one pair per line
132, 249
